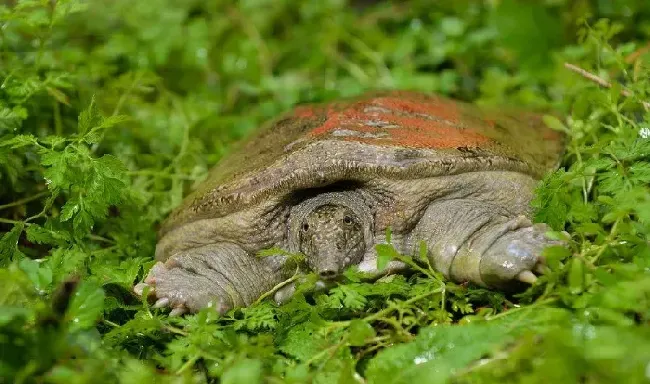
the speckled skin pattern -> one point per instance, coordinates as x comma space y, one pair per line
329, 180
331, 236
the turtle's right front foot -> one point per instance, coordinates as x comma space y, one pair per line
183, 290
220, 276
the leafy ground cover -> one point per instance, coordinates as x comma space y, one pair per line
110, 111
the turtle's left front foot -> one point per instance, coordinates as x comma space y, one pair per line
483, 243
516, 255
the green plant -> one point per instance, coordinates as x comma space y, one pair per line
111, 111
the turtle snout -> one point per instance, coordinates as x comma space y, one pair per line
326, 265
328, 274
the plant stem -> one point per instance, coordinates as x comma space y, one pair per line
9, 221
187, 364
278, 287
126, 94
515, 310
100, 238
602, 82
24, 200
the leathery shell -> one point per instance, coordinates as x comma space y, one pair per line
400, 135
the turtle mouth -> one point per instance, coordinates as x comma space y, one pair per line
328, 275
325, 265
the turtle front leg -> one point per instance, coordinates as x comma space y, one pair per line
221, 275
469, 240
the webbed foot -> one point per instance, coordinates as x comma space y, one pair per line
483, 243
221, 276
516, 255
182, 290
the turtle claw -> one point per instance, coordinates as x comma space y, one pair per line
540, 269
181, 289
178, 311
140, 288
517, 255
527, 276
161, 303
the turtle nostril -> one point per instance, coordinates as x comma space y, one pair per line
327, 274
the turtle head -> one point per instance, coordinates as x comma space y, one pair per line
333, 231
331, 236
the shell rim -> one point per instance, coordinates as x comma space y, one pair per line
233, 197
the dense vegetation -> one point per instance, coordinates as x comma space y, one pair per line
110, 111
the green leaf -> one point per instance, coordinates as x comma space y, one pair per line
258, 317
576, 275
554, 123
633, 295
551, 201
62, 168
243, 371
304, 341
360, 332
385, 254
71, 208
555, 254
297, 374
11, 119
88, 118
452, 26
19, 141
438, 352
67, 262
9, 314
125, 272
59, 95
86, 306
40, 235
40, 275
94, 184
9, 244
16, 289
137, 371
134, 328
96, 133
344, 296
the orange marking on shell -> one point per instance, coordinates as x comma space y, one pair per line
350, 118
551, 135
405, 122
304, 112
419, 133
436, 107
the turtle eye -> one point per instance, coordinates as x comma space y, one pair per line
347, 220
305, 227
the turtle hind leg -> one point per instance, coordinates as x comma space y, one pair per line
481, 242
222, 276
